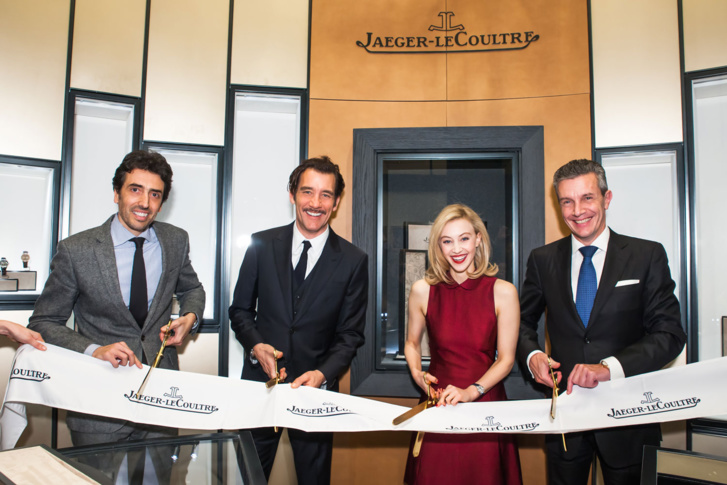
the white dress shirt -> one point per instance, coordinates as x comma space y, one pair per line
316, 248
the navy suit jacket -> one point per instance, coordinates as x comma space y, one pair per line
327, 327
639, 324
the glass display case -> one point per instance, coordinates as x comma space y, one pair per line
402, 178
220, 458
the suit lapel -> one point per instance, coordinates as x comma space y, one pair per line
106, 259
616, 260
282, 251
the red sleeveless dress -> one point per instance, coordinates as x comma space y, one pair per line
462, 328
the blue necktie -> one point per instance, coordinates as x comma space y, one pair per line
587, 284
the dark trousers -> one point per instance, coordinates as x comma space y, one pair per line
311, 453
573, 467
110, 463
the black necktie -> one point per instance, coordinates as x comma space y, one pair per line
138, 299
587, 284
299, 271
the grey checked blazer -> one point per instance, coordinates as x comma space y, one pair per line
84, 280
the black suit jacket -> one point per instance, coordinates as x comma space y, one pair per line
639, 324
328, 325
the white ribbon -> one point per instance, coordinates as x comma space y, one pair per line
69, 380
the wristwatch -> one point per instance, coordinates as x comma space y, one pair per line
479, 388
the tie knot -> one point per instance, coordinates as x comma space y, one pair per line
588, 251
139, 241
306, 246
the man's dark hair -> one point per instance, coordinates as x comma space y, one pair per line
576, 168
321, 164
143, 160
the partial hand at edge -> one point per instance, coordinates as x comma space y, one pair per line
117, 354
21, 334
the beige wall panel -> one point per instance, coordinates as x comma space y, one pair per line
187, 71
200, 354
636, 72
331, 133
342, 70
270, 43
555, 64
566, 121
705, 34
108, 46
709, 444
33, 51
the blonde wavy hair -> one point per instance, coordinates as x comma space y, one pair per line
438, 271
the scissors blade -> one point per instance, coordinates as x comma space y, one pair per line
272, 382
157, 359
411, 413
143, 383
417, 444
555, 390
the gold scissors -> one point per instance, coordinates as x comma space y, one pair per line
429, 402
554, 398
275, 380
158, 358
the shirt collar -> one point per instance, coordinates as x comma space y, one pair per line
601, 242
316, 243
121, 235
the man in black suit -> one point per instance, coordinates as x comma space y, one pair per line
301, 297
631, 326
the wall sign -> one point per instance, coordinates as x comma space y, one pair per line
446, 38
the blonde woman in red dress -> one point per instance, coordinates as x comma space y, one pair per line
472, 319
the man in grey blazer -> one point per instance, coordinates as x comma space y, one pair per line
91, 277
611, 313
312, 323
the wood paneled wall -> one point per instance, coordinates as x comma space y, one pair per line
547, 83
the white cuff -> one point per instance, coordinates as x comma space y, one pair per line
614, 366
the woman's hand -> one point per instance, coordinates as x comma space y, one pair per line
453, 395
423, 379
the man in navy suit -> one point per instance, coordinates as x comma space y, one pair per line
301, 297
631, 326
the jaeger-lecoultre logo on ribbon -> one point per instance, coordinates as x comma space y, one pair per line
653, 405
171, 400
29, 375
490, 425
326, 409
